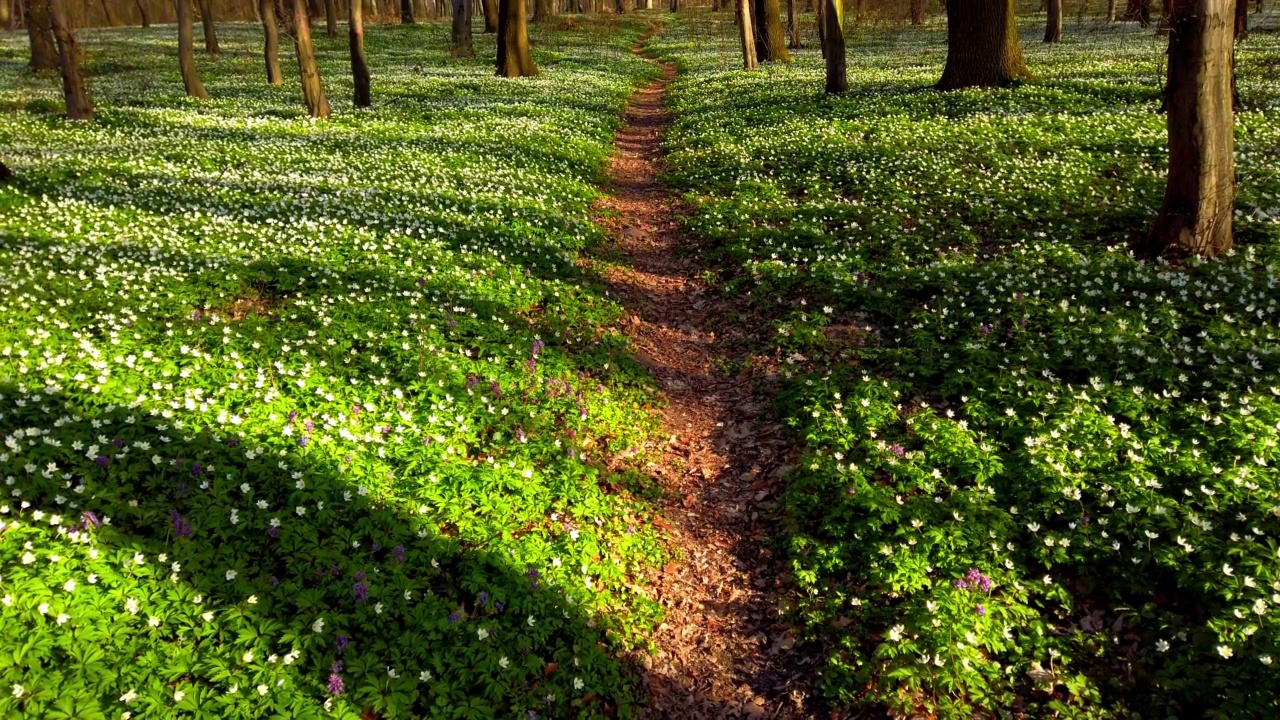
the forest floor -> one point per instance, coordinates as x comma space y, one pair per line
724, 651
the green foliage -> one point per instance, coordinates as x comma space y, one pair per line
306, 417
1038, 474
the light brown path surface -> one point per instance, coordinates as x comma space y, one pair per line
724, 649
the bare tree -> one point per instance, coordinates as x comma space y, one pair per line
210, 31
271, 41
186, 52
79, 104
312, 90
747, 35
359, 63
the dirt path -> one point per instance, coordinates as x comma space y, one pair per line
724, 650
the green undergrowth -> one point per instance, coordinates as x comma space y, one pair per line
305, 419
1039, 474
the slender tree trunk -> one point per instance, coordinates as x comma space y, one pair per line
490, 8
312, 90
142, 10
187, 53
6, 17
1195, 217
210, 32
1140, 11
821, 15
541, 11
793, 26
1242, 19
675, 6
1053, 23
1111, 10
406, 12
271, 41
79, 104
982, 45
833, 39
514, 58
44, 49
359, 63
460, 40
330, 18
619, 6
747, 34
109, 14
918, 10
771, 41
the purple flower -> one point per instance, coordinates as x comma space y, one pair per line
341, 644
273, 531
899, 450
117, 443
472, 381
336, 667
537, 348
484, 598
302, 441
310, 426
102, 460
982, 611
275, 581
181, 527
196, 469
361, 591
453, 617
399, 552
496, 389
90, 519
293, 415
520, 434
984, 329
335, 685
196, 315
500, 606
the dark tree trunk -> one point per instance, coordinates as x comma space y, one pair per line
406, 12
514, 58
675, 6
746, 33
833, 41
619, 6
541, 10
822, 21
1242, 19
210, 32
1111, 10
142, 10
6, 18
982, 45
490, 8
331, 18
460, 39
771, 40
312, 90
917, 12
1195, 217
271, 41
109, 13
1053, 23
793, 26
1139, 11
359, 63
79, 104
44, 49
187, 53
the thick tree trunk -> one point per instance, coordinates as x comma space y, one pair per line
6, 18
917, 12
771, 41
619, 6
331, 18
210, 32
490, 8
142, 10
514, 58
44, 49
793, 26
1195, 217
406, 12
541, 10
187, 53
312, 90
109, 13
460, 39
79, 104
271, 41
1053, 22
747, 34
360, 63
833, 41
982, 45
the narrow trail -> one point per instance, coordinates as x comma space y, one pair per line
724, 650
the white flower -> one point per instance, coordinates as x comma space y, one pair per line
248, 656
18, 690
43, 608
1265, 659
1226, 570
131, 605
153, 621
28, 558
129, 697
208, 616
391, 672
1225, 651
69, 585
424, 676
577, 683
1162, 645
482, 633
178, 695
504, 662
231, 575
253, 600
62, 618
895, 633
262, 689
530, 620
318, 625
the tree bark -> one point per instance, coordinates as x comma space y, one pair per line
271, 41
1242, 19
312, 90
833, 41
1195, 217
619, 6
747, 34
821, 16
1140, 11
918, 10
1053, 22
210, 31
406, 12
771, 41
490, 8
331, 18
142, 10
6, 18
44, 49
514, 58
460, 38
793, 26
109, 14
187, 53
1111, 10
360, 63
982, 45
79, 104
541, 11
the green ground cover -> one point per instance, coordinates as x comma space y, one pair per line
1039, 473
302, 417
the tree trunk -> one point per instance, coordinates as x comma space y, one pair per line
675, 6
917, 12
330, 18
982, 45
460, 40
142, 10
541, 11
406, 12
490, 8
1140, 11
187, 53
359, 63
1053, 23
833, 40
210, 32
109, 14
514, 58
1111, 10
771, 41
44, 49
747, 34
619, 6
1195, 217
822, 21
312, 90
1242, 19
793, 26
79, 104
6, 18
271, 41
